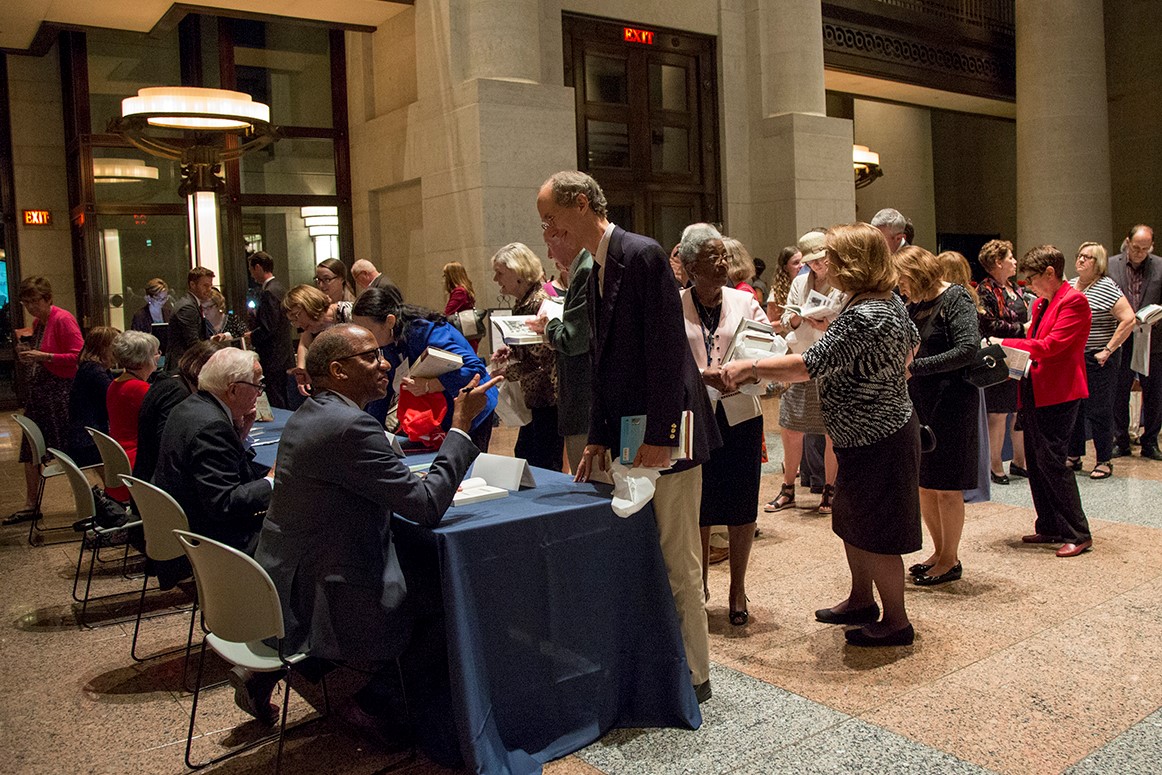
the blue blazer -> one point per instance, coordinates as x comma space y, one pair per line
641, 360
326, 540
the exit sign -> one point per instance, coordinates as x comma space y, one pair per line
37, 217
633, 35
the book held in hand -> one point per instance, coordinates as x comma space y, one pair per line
475, 490
819, 306
552, 308
633, 434
1149, 314
433, 362
514, 329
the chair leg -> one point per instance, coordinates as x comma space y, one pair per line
137, 623
89, 581
77, 575
194, 710
190, 644
36, 515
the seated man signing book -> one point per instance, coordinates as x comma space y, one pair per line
326, 540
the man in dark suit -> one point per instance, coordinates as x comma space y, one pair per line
367, 276
642, 366
204, 462
1138, 272
187, 324
326, 540
271, 332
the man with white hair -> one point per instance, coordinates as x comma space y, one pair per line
204, 462
367, 276
893, 225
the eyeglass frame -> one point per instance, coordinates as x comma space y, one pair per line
260, 386
378, 356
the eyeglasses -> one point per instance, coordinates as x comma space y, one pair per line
374, 352
547, 223
321, 280
710, 258
1086, 256
259, 386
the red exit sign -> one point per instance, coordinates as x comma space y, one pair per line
38, 218
633, 35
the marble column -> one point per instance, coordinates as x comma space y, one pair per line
1063, 162
803, 176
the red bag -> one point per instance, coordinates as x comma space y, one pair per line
420, 417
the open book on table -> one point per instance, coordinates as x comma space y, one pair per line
633, 433
475, 490
818, 306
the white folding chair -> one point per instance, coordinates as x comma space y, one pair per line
48, 468
240, 610
160, 516
96, 535
114, 460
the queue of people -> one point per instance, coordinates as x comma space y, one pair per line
641, 332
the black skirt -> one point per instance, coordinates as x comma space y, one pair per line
877, 500
949, 406
730, 479
1002, 398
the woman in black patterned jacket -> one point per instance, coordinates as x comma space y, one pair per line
1003, 315
860, 364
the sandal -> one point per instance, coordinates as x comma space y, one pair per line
1096, 473
825, 503
740, 618
19, 516
1073, 463
785, 499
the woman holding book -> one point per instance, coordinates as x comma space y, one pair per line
1003, 314
730, 479
799, 410
1113, 322
860, 363
945, 402
404, 331
517, 272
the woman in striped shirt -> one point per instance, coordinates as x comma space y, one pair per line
1113, 320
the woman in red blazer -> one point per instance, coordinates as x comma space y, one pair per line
1049, 396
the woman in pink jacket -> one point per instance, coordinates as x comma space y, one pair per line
50, 363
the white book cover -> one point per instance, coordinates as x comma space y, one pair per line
475, 490
514, 329
433, 362
552, 308
1150, 314
820, 307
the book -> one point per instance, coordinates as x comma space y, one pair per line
514, 329
1017, 361
552, 308
262, 409
1149, 314
751, 335
818, 306
433, 362
633, 433
475, 490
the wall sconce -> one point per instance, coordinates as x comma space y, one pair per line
866, 164
323, 225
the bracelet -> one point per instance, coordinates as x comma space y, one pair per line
1107, 349
754, 369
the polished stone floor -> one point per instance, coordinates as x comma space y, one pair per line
1030, 664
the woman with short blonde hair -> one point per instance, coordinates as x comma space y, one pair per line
311, 311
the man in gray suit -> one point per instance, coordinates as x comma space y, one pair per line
1138, 272
326, 540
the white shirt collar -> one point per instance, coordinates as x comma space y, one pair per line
603, 245
266, 282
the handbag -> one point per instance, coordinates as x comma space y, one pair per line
988, 367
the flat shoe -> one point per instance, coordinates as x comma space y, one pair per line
252, 693
1037, 538
953, 574
1072, 550
1016, 470
902, 637
19, 516
999, 478
919, 569
866, 615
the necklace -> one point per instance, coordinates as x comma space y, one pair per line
709, 318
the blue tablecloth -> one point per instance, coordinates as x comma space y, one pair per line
560, 624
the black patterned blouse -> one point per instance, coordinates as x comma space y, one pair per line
1004, 310
859, 364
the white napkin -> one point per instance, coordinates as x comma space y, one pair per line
632, 488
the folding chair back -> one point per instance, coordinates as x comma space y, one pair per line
239, 601
82, 491
34, 436
160, 515
113, 457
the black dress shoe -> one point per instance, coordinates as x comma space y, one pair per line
953, 574
901, 637
865, 615
702, 691
1119, 451
919, 569
999, 478
1016, 470
252, 692
1152, 454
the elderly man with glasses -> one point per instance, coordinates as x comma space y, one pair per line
326, 540
204, 461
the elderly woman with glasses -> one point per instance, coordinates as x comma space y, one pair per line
1112, 324
730, 479
333, 279
311, 311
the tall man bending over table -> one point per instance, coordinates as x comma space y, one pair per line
642, 366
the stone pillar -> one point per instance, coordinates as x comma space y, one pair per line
500, 38
803, 175
1063, 164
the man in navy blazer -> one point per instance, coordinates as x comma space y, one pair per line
326, 541
271, 332
203, 461
1138, 272
642, 366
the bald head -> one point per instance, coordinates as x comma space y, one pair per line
364, 273
331, 345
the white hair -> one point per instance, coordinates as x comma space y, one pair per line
133, 349
694, 237
893, 219
363, 265
225, 367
